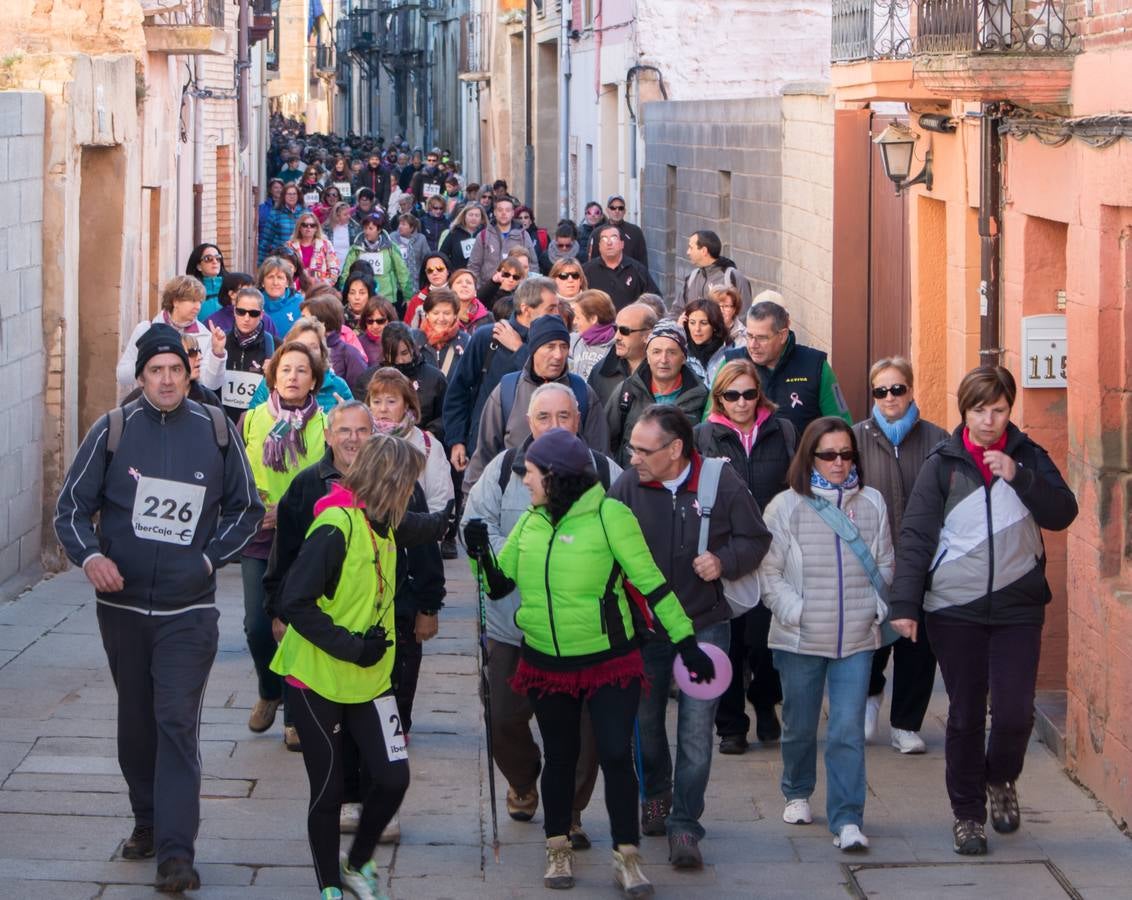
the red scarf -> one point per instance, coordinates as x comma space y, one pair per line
977, 452
436, 338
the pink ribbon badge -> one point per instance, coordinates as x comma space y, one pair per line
795, 400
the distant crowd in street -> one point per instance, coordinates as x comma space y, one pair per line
652, 491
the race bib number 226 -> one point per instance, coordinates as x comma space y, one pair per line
167, 511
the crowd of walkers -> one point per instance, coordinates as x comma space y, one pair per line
651, 492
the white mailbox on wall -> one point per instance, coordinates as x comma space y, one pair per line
1044, 351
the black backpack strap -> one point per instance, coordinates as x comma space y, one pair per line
219, 426
601, 463
115, 422
505, 469
609, 608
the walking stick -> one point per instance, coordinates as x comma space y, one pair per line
485, 693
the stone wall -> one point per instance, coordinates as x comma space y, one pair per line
21, 337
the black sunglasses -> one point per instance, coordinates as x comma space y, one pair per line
733, 396
193, 351
897, 390
510, 275
254, 313
831, 455
573, 276
626, 330
376, 321
617, 208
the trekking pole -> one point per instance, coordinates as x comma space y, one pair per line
485, 693
640, 766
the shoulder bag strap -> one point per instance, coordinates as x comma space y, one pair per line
848, 532
706, 492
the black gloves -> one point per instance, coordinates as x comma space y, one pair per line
699, 665
476, 539
374, 644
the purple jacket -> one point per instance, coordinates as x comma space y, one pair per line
346, 361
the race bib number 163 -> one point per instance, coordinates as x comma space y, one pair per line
167, 511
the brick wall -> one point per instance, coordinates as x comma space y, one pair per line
21, 337
1100, 24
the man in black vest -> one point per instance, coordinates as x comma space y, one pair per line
797, 378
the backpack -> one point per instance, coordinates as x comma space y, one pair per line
509, 386
116, 424
601, 463
743, 593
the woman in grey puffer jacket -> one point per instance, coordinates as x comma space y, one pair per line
826, 623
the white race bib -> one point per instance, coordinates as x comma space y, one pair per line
310, 198
404, 251
376, 261
466, 247
430, 190
239, 388
345, 189
391, 731
167, 511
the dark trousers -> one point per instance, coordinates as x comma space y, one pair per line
975, 660
516, 752
322, 725
612, 710
406, 668
748, 650
257, 630
160, 666
913, 677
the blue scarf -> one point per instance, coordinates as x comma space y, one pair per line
850, 482
898, 430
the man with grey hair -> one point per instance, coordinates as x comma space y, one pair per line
797, 378
499, 498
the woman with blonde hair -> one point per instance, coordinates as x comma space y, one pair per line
337, 657
568, 277
730, 303
594, 330
320, 261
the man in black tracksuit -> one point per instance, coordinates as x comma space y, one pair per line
175, 501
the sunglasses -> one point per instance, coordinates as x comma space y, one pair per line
733, 396
617, 209
831, 455
211, 257
573, 276
254, 313
626, 330
375, 320
307, 225
563, 246
435, 270
195, 351
897, 390
509, 275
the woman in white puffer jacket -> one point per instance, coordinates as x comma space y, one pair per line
826, 620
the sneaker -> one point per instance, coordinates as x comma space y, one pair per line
579, 840
654, 816
851, 840
872, 714
797, 812
559, 863
767, 727
331, 893
448, 549
970, 837
627, 872
521, 807
349, 817
391, 834
1004, 813
908, 741
176, 875
363, 883
263, 715
684, 852
139, 845
733, 745
291, 739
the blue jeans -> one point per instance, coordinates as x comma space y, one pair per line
694, 741
804, 679
257, 630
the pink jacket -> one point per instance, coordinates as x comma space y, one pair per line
324, 265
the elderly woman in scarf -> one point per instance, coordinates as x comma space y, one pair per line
282, 437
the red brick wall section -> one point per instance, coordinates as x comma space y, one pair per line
1100, 24
225, 201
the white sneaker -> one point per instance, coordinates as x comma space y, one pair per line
908, 741
349, 817
872, 714
851, 840
363, 883
797, 812
392, 832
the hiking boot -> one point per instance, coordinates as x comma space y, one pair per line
797, 812
627, 872
559, 863
767, 727
908, 741
391, 834
348, 817
448, 549
733, 745
654, 816
684, 852
1004, 813
850, 839
522, 807
363, 883
176, 875
579, 840
970, 837
872, 715
139, 845
291, 739
263, 715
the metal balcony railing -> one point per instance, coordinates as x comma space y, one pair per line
191, 12
871, 29
992, 26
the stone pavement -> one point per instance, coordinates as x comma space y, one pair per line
64, 811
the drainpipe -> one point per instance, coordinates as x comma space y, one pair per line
564, 115
529, 149
243, 63
990, 198
198, 154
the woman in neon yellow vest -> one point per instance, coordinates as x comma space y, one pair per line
282, 437
337, 655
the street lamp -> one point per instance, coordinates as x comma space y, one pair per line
896, 143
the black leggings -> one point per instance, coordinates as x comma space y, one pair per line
321, 724
612, 711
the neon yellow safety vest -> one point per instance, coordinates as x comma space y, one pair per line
257, 425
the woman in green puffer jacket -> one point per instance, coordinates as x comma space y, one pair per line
567, 556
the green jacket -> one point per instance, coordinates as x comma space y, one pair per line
393, 274
572, 599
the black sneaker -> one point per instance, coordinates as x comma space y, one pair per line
767, 727
684, 852
1004, 813
176, 875
733, 744
139, 845
654, 816
448, 549
970, 837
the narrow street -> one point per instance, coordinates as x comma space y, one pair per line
64, 810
